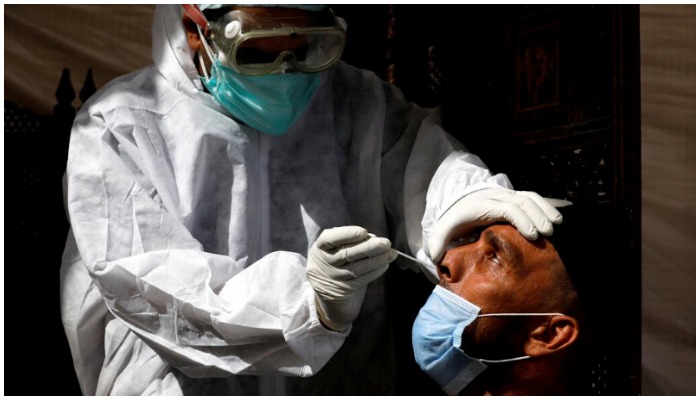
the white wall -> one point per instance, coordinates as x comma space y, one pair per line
41, 40
668, 199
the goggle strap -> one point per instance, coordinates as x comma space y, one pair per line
193, 11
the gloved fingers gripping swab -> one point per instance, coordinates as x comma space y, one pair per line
430, 266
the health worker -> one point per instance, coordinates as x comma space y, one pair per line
234, 206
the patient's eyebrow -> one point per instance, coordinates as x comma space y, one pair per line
512, 253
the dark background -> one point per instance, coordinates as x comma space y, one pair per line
547, 94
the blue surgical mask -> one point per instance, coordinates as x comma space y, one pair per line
269, 103
437, 338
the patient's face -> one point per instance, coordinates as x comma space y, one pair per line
499, 270
502, 272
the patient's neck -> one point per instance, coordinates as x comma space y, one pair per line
535, 379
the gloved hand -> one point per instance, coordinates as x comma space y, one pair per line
527, 211
340, 265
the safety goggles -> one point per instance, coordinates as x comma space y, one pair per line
254, 44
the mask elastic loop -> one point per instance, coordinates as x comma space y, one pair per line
516, 314
504, 360
512, 315
209, 51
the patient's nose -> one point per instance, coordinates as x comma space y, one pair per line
450, 268
462, 260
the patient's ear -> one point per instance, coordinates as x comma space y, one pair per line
193, 39
558, 333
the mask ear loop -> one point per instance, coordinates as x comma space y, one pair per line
503, 361
196, 15
532, 314
209, 51
511, 315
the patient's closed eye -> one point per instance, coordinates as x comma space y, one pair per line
464, 240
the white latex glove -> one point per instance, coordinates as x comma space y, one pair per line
340, 265
529, 212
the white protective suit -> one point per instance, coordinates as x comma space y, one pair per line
184, 271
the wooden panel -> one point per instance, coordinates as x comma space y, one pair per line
537, 69
537, 72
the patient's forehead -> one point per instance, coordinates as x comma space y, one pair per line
502, 271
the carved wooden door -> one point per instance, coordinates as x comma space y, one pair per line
549, 95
